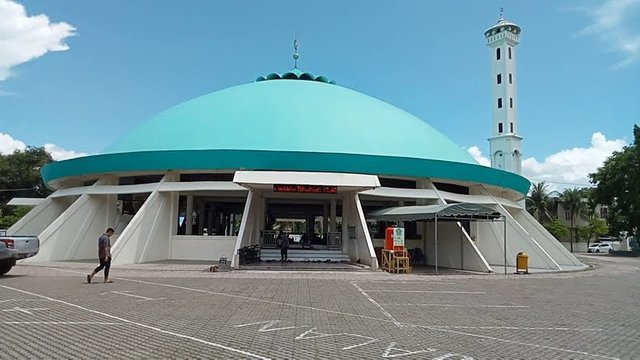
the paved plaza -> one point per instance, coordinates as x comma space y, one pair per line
181, 311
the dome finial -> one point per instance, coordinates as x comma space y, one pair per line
295, 52
501, 12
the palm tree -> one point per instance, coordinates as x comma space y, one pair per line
573, 202
538, 202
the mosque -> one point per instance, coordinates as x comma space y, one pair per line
313, 161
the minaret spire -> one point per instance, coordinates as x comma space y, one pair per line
296, 56
501, 13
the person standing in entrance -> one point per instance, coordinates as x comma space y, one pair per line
284, 246
104, 254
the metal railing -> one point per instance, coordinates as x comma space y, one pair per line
268, 239
334, 240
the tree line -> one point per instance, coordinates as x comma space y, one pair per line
20, 177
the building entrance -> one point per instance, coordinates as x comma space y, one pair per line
309, 225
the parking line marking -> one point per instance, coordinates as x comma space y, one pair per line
456, 305
59, 323
515, 328
347, 314
380, 307
430, 292
25, 311
143, 325
136, 296
519, 342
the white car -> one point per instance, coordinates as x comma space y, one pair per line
599, 248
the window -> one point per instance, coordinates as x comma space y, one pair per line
509, 52
500, 128
499, 103
511, 127
499, 79
510, 79
511, 103
604, 212
567, 215
498, 54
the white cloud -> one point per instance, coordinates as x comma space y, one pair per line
614, 23
58, 153
24, 38
8, 145
476, 153
566, 168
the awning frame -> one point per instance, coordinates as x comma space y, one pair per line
474, 212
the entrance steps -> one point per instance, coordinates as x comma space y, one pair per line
304, 255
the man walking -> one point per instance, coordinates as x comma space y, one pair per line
104, 254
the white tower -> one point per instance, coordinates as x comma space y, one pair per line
504, 143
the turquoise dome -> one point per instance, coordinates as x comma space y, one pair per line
288, 125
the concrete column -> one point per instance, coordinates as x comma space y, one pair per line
201, 217
325, 218
332, 224
232, 219
210, 223
189, 215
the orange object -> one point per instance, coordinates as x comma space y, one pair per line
388, 243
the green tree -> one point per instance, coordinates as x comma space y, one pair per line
7, 220
573, 201
557, 228
596, 227
20, 176
617, 182
538, 202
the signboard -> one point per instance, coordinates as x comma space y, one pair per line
398, 236
308, 189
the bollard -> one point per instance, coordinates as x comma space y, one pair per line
522, 262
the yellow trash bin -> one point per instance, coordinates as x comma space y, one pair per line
522, 262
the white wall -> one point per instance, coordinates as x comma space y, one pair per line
360, 248
490, 239
41, 216
552, 246
210, 248
146, 238
455, 249
74, 234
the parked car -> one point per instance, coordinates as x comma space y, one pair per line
14, 248
7, 260
599, 248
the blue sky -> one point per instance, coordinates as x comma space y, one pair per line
578, 66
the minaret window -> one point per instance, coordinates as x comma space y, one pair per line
500, 128
509, 53
499, 79
511, 103
511, 127
498, 54
499, 103
510, 79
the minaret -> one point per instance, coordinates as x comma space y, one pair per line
504, 143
